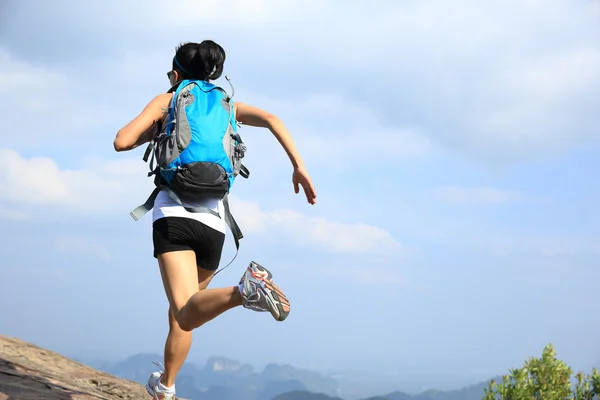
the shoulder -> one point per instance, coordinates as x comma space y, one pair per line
162, 100
159, 102
251, 115
158, 106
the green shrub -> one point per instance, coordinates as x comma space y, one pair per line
545, 378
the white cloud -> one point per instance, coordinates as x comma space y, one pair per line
36, 181
339, 131
496, 80
353, 150
246, 12
331, 129
109, 186
500, 81
155, 14
34, 100
18, 76
557, 75
478, 195
100, 186
349, 238
43, 107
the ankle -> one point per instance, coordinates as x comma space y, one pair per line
167, 382
236, 296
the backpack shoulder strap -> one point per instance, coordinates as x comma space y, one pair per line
141, 210
230, 221
235, 231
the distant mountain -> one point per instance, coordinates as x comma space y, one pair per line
472, 392
377, 398
274, 388
136, 368
303, 395
312, 381
225, 379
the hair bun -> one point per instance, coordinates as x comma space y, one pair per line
203, 61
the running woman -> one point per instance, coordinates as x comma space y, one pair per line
188, 245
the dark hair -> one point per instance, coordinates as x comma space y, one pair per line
201, 61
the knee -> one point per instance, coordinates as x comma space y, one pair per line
183, 323
186, 327
177, 321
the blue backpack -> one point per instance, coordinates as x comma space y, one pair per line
198, 151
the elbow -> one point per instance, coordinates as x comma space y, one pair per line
120, 145
271, 120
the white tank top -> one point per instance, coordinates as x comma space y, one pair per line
165, 206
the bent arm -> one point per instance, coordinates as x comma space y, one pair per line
253, 116
143, 127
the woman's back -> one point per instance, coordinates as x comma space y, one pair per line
167, 206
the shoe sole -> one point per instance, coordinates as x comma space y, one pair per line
278, 303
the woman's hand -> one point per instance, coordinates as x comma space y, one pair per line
301, 178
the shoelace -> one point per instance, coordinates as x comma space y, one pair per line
159, 365
256, 304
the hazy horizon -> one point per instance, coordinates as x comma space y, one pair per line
452, 146
373, 381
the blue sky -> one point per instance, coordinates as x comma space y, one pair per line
453, 145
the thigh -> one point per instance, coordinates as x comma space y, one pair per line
173, 247
188, 253
204, 278
180, 277
170, 281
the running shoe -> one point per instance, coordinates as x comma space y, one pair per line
259, 293
156, 390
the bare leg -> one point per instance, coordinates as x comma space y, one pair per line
190, 305
177, 348
208, 304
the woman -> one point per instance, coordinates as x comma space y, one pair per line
188, 245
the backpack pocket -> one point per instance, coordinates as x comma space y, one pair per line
200, 180
166, 150
176, 135
235, 149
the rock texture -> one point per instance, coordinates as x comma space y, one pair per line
28, 372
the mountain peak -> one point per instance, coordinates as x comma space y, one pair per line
224, 364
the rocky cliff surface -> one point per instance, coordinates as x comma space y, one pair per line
28, 372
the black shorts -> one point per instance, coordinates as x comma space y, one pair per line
178, 233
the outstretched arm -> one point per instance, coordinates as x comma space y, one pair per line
250, 115
143, 127
253, 116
